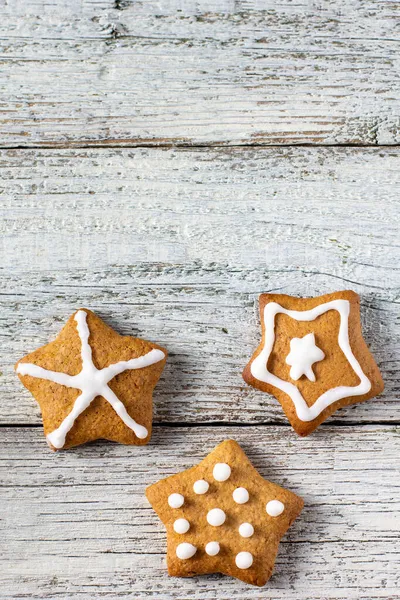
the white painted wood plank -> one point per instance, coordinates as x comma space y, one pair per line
76, 525
206, 317
249, 71
84, 228
327, 210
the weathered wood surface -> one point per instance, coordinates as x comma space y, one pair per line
84, 227
175, 245
316, 210
251, 71
78, 524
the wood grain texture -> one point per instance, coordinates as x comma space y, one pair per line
217, 72
86, 227
175, 246
78, 524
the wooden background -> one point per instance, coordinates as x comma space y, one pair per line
163, 163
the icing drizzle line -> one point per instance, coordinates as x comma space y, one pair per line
91, 382
259, 365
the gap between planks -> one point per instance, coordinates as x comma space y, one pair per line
181, 424
131, 144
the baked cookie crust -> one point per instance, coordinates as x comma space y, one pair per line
221, 516
92, 383
312, 357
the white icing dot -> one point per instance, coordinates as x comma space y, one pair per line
181, 525
176, 500
221, 472
200, 486
185, 551
244, 560
212, 548
246, 530
275, 508
216, 517
240, 495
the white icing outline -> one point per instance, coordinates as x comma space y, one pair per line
92, 382
259, 365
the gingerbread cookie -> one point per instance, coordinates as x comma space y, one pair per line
313, 357
223, 517
93, 383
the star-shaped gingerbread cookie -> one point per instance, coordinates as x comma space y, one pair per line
312, 356
221, 516
93, 383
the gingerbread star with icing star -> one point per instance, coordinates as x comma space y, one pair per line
312, 356
93, 383
221, 516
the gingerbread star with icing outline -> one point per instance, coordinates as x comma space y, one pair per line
321, 340
221, 516
93, 383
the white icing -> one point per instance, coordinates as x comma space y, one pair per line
246, 530
176, 500
221, 472
216, 517
185, 550
303, 354
275, 508
240, 495
212, 548
259, 365
201, 486
244, 560
91, 382
181, 526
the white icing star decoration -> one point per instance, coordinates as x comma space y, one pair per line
303, 354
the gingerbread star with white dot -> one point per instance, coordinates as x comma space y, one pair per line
221, 516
